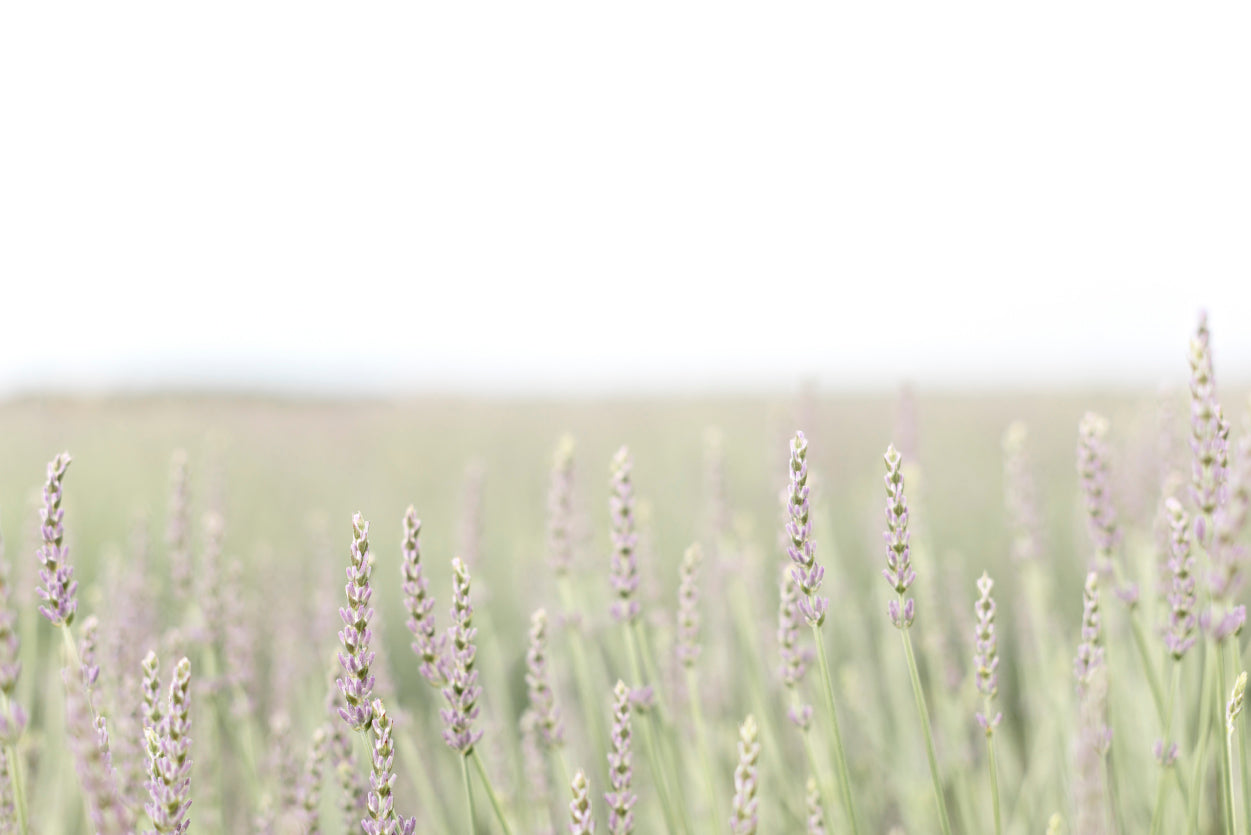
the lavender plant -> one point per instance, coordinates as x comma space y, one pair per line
986, 665
356, 684
169, 746
580, 821
621, 799
745, 818
807, 575
59, 588
427, 643
900, 576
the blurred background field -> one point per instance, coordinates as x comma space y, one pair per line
287, 474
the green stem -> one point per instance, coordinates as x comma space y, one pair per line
844, 778
490, 790
464, 773
1242, 770
1227, 783
581, 671
1201, 747
818, 772
701, 740
659, 777
1157, 815
994, 779
1231, 824
74, 663
943, 821
15, 773
1144, 655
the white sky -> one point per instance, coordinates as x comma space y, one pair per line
535, 196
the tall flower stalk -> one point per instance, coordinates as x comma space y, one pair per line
900, 575
620, 766
746, 780
986, 667
169, 766
357, 682
12, 716
1179, 636
59, 589
1232, 710
688, 653
624, 577
807, 574
560, 554
461, 692
1104, 526
427, 643
580, 820
382, 818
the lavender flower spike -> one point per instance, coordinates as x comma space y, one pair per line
985, 656
1209, 431
1089, 651
178, 531
1092, 471
382, 819
461, 691
169, 768
816, 815
795, 659
625, 565
560, 509
620, 769
59, 586
580, 820
800, 547
427, 643
538, 680
898, 571
744, 819
357, 683
1180, 635
688, 607
12, 716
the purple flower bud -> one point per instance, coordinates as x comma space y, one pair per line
1089, 651
580, 820
746, 780
538, 681
625, 567
687, 648
1209, 432
620, 769
816, 815
560, 509
169, 766
427, 643
380, 804
357, 683
807, 574
1223, 626
461, 691
985, 653
178, 530
1180, 635
59, 587
1092, 470
898, 571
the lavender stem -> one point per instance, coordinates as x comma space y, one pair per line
490, 790
464, 773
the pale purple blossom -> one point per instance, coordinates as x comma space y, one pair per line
807, 573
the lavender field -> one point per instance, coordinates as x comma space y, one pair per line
922, 613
